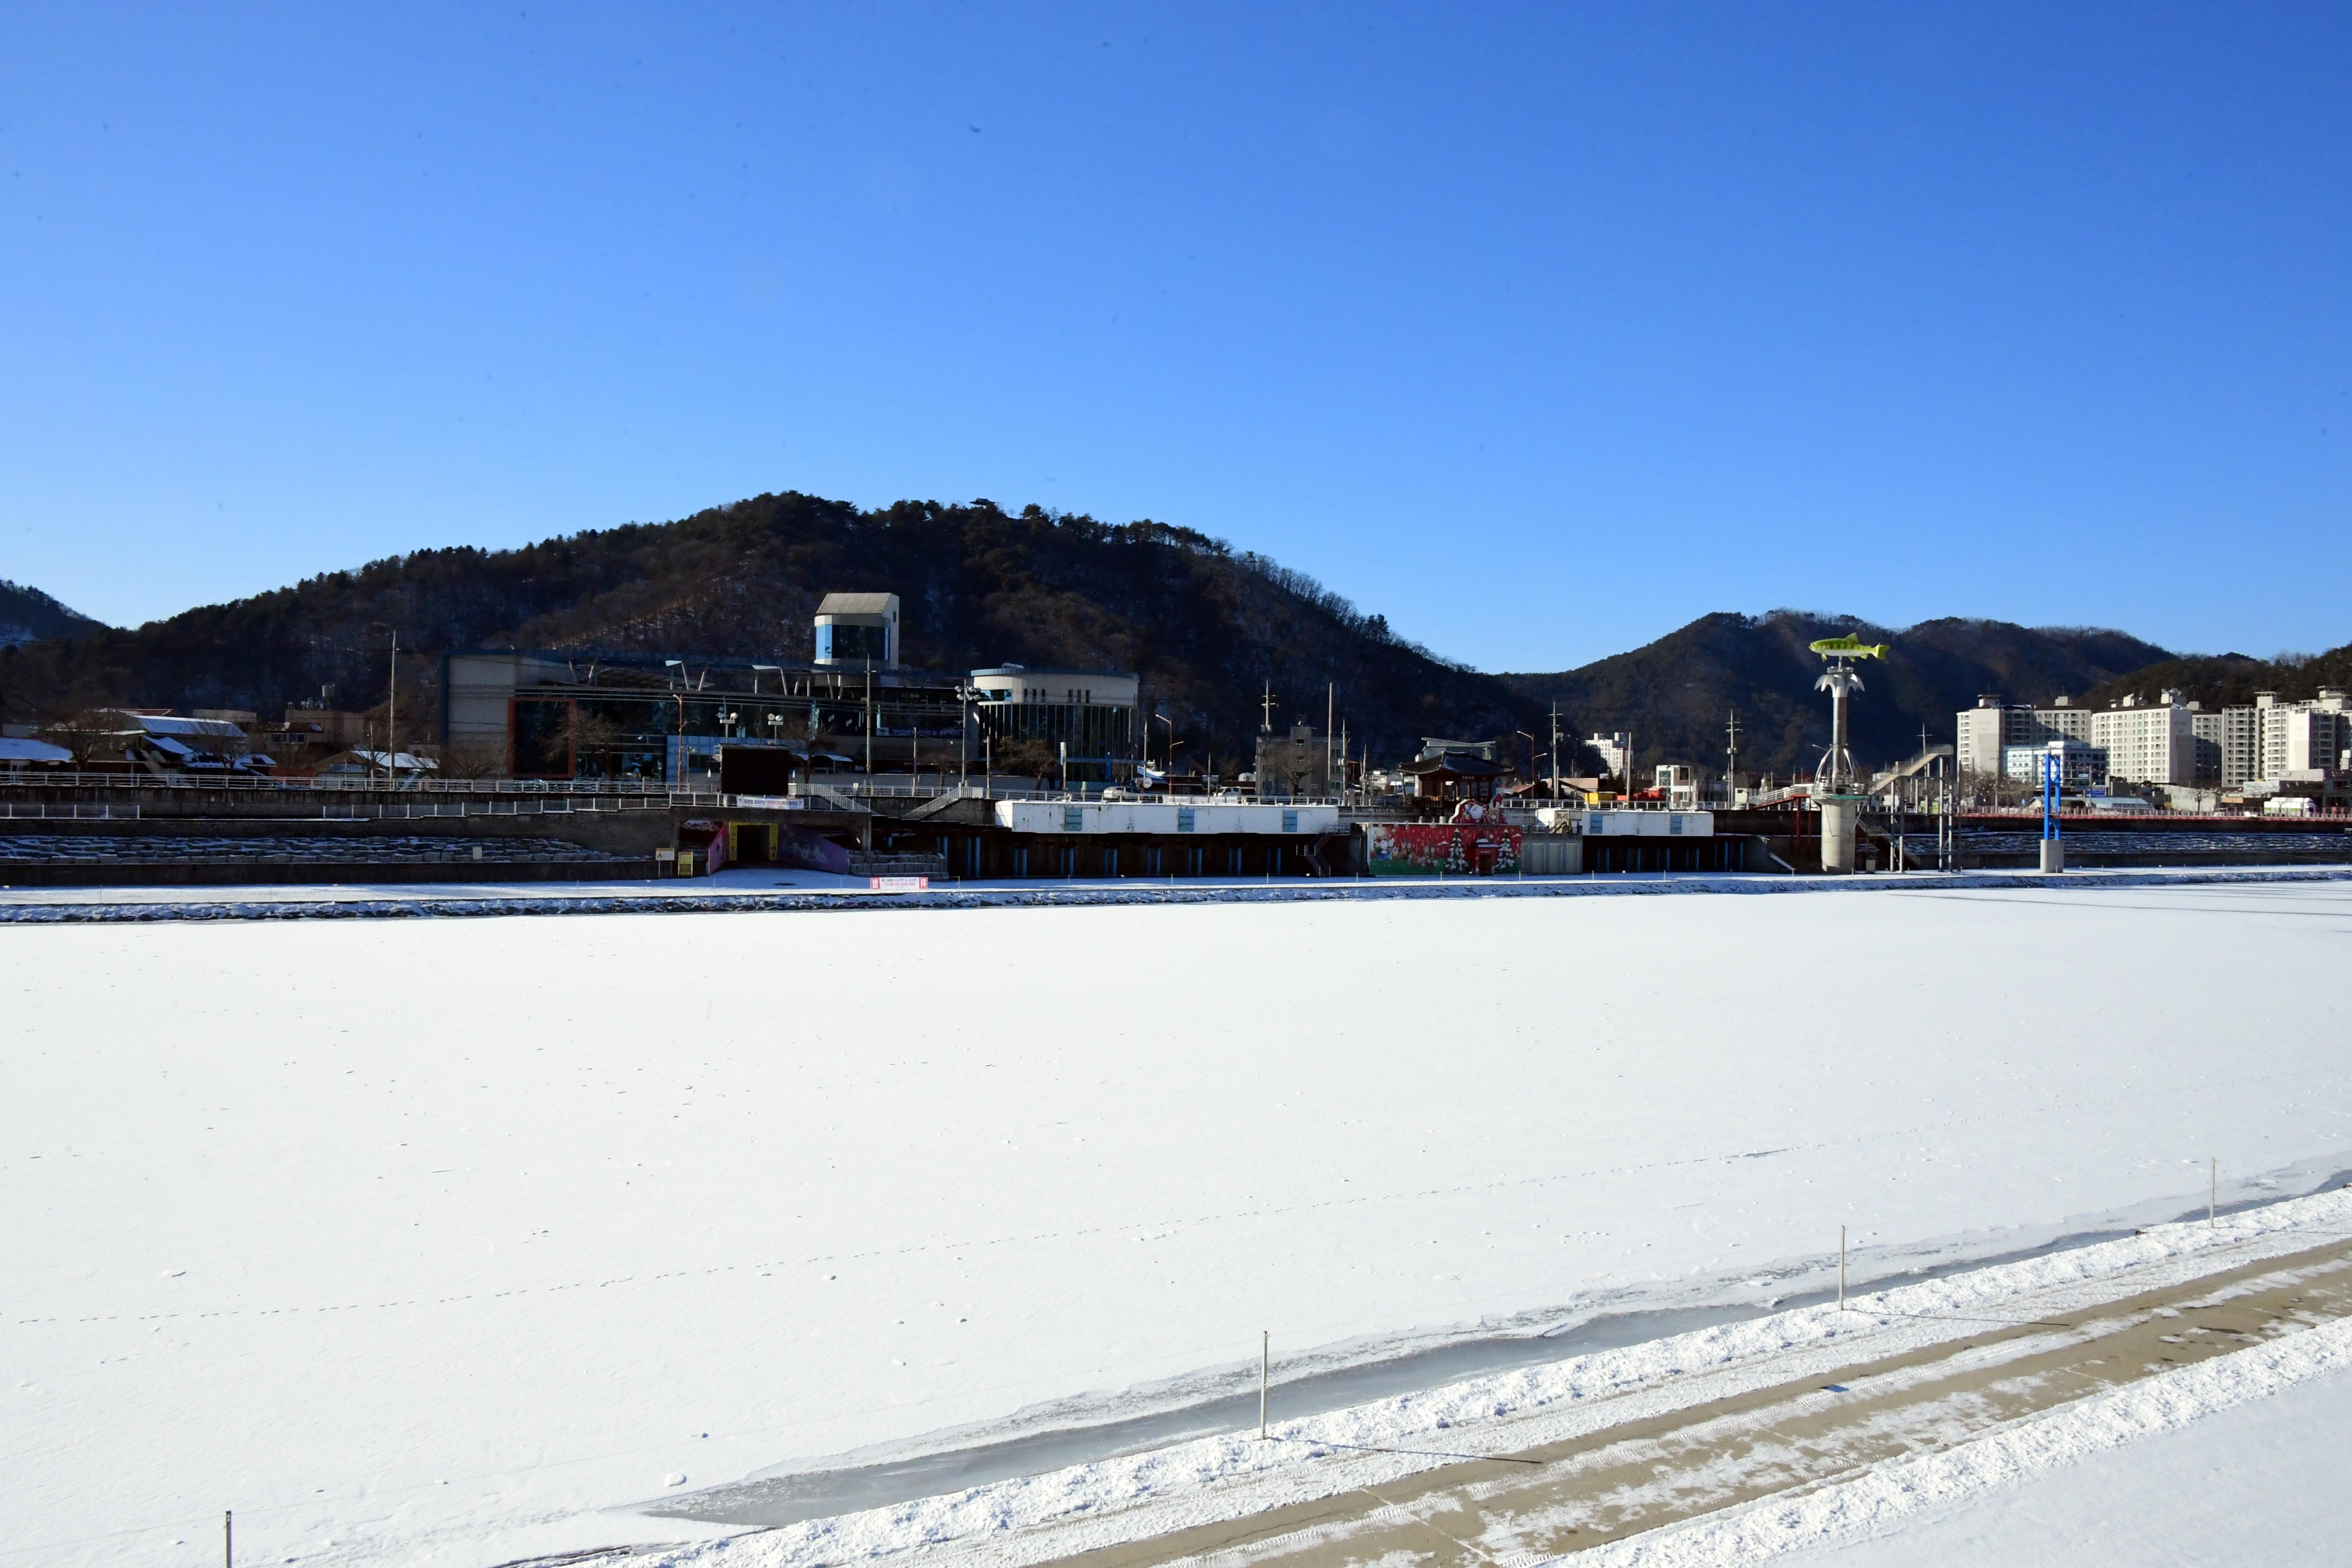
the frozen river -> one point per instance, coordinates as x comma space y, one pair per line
447, 1241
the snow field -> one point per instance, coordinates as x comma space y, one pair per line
443, 1242
1085, 1508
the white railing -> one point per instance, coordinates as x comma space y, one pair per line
69, 811
246, 783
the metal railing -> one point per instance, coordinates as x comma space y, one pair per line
68, 811
264, 784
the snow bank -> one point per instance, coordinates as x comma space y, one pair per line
1892, 1496
1085, 1508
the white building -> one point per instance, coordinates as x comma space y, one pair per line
1611, 748
2147, 743
2081, 766
2063, 717
858, 631
2241, 745
2271, 739
1985, 731
2311, 736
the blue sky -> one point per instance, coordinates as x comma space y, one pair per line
1539, 330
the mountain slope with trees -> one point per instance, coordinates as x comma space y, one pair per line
1676, 695
28, 614
1207, 627
2228, 679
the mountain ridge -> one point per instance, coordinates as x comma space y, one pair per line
28, 614
1206, 626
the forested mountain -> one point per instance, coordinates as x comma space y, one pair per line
1206, 627
2226, 680
1676, 695
28, 614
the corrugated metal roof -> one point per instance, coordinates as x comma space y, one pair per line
858, 605
30, 751
219, 728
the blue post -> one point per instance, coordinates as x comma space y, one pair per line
2053, 854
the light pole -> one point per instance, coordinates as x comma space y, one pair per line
678, 691
1554, 751
1530, 739
963, 738
1171, 748
392, 707
777, 670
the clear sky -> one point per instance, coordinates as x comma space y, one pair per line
1541, 330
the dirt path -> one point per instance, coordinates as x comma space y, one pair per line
1546, 1501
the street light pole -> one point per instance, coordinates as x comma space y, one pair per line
1554, 751
392, 715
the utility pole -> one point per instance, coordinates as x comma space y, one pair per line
392, 715
1731, 757
869, 727
1331, 718
1554, 751
1267, 725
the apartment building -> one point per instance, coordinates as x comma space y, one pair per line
1986, 730
2272, 739
2147, 743
2063, 717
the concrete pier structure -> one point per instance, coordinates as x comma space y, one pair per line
1840, 814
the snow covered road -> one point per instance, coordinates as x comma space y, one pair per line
446, 1241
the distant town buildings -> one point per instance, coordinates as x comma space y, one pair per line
2171, 743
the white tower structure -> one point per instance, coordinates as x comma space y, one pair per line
1836, 792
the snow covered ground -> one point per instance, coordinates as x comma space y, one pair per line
2258, 1484
443, 1242
2236, 1460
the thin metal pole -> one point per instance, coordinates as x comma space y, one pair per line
228, 1538
391, 714
1264, 1360
1841, 1268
